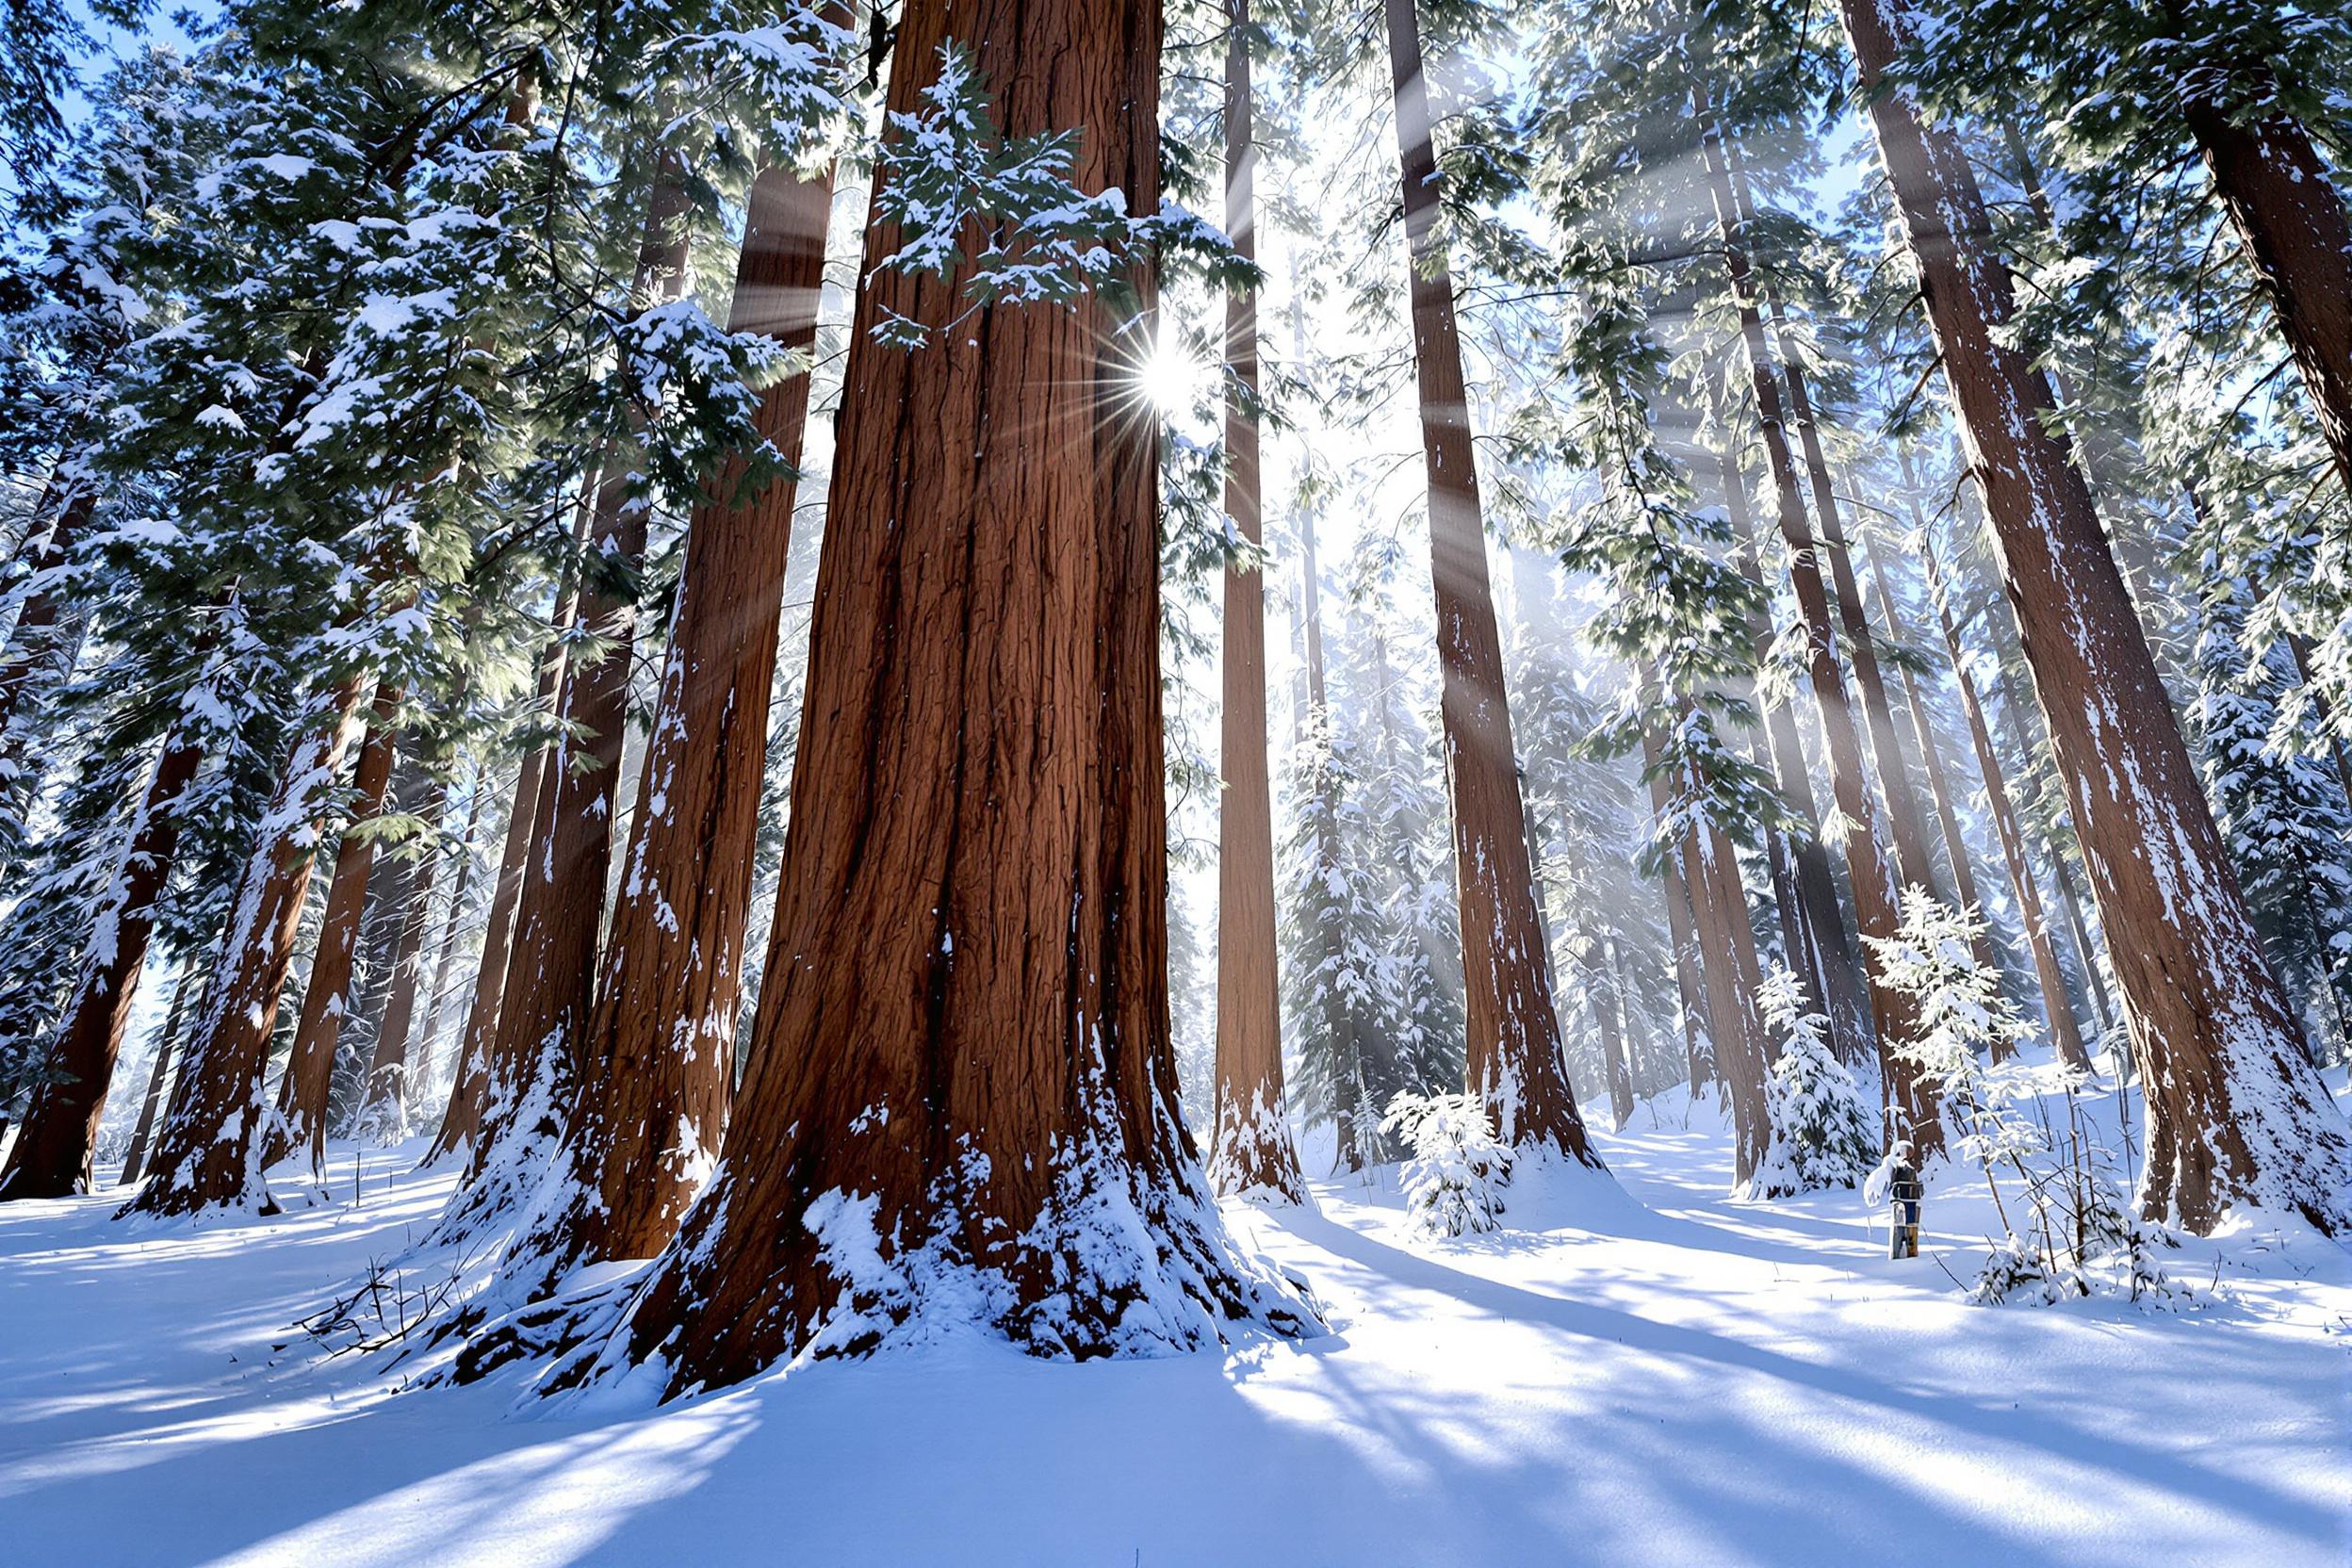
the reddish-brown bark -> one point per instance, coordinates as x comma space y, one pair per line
208, 1152
653, 1108
1819, 951
166, 1043
327, 998
1512, 1023
2284, 206
2065, 1034
542, 1046
384, 1114
1252, 1151
2234, 1113
54, 1148
1911, 1109
961, 1059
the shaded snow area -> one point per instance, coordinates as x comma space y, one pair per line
1657, 1375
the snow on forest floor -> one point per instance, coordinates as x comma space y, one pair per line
1661, 1376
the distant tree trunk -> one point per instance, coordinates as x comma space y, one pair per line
1939, 786
208, 1153
1914, 864
2234, 1113
1352, 1132
469, 1083
653, 1108
54, 1150
2065, 1034
1513, 1026
166, 1043
1682, 931
542, 1044
445, 949
1876, 897
961, 1054
1609, 1006
329, 997
1720, 913
2284, 203
1251, 1151
384, 1114
1819, 950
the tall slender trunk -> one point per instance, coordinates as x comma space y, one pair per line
1939, 786
469, 1083
329, 996
208, 1151
1513, 1026
1352, 1131
384, 1112
2061, 873
2064, 1034
1819, 950
444, 949
167, 1043
1690, 967
1609, 1007
961, 1054
2284, 203
542, 1045
1251, 1151
54, 1148
2234, 1113
653, 1109
1912, 1108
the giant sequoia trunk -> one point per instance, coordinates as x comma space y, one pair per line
208, 1151
2284, 206
653, 1106
53, 1150
327, 999
1911, 1109
1251, 1153
541, 1048
2234, 1113
1512, 1025
962, 1094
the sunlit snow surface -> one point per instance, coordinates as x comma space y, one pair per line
1680, 1380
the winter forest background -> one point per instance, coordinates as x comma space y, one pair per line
1140, 780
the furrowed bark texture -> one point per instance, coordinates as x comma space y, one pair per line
2296, 231
2234, 1113
661, 1048
1513, 1026
54, 1148
541, 1049
1251, 1151
328, 997
208, 1152
961, 1071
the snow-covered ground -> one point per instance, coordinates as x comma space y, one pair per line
1656, 1375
